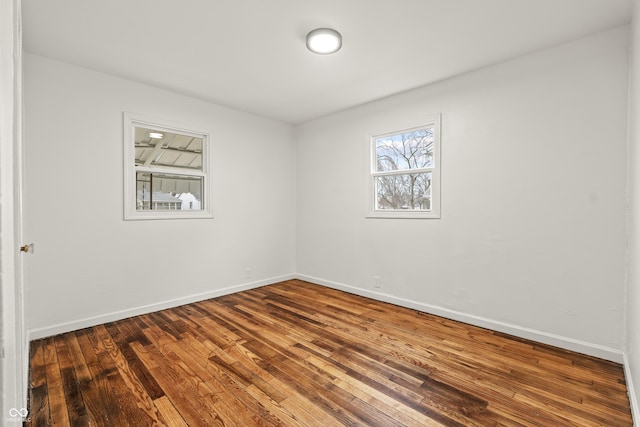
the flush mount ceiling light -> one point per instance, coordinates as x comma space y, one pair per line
155, 135
324, 41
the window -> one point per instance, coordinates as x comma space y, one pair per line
166, 171
404, 177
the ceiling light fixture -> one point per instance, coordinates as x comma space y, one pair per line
324, 41
155, 135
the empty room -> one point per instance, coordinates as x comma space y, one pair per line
296, 213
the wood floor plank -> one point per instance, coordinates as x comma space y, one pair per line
39, 403
234, 404
57, 398
199, 401
136, 395
169, 412
78, 414
180, 393
305, 412
100, 398
299, 354
150, 386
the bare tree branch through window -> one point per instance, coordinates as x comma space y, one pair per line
398, 156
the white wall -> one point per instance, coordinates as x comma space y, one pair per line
89, 264
532, 234
633, 255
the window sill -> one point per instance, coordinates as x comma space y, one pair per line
403, 214
167, 215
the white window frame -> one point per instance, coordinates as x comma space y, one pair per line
131, 121
372, 174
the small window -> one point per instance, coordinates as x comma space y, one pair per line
404, 178
166, 171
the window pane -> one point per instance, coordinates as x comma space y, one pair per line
168, 192
404, 192
407, 150
155, 147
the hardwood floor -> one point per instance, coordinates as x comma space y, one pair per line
297, 354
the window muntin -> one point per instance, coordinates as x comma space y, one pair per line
405, 172
166, 171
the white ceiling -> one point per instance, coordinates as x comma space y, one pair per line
251, 54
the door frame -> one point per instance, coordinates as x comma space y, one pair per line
14, 341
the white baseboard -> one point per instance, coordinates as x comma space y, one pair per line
34, 334
519, 331
590, 349
635, 410
522, 332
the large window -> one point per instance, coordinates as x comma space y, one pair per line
166, 171
404, 178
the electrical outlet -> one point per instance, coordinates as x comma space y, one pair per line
377, 283
248, 274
